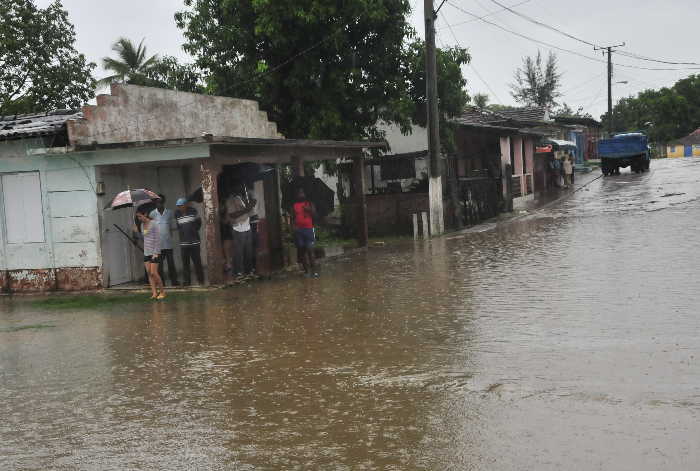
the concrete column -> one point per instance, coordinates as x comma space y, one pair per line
210, 171
437, 215
298, 166
505, 160
360, 200
530, 159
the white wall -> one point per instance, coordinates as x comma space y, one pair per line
400, 144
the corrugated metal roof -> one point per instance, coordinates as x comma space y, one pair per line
37, 124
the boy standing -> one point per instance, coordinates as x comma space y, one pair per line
188, 225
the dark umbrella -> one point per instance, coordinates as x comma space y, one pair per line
133, 198
316, 191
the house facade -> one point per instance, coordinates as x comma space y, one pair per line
688, 146
58, 171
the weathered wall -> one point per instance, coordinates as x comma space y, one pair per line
134, 114
69, 257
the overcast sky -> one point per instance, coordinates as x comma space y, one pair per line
659, 29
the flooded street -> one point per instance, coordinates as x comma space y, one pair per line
568, 338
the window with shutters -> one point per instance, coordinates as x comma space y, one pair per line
24, 213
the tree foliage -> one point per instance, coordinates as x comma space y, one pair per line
320, 68
564, 110
452, 96
40, 68
481, 100
664, 114
130, 66
169, 73
537, 84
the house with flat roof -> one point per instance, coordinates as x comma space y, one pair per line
59, 170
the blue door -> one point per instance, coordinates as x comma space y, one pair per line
688, 151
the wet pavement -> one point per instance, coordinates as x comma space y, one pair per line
568, 338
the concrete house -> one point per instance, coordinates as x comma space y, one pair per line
688, 146
59, 170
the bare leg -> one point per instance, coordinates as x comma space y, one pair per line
151, 280
157, 285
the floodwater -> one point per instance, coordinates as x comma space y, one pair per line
567, 339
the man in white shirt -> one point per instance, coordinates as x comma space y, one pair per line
165, 220
238, 209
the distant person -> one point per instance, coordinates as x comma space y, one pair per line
568, 171
147, 228
303, 214
165, 220
238, 210
188, 225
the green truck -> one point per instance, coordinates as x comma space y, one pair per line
624, 150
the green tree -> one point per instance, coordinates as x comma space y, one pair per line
167, 72
537, 84
564, 110
130, 66
664, 114
40, 68
320, 68
452, 96
480, 100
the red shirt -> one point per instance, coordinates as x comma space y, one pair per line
302, 215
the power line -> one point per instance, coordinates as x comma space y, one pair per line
558, 47
571, 36
488, 14
470, 64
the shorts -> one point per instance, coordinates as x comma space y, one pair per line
226, 232
304, 238
151, 259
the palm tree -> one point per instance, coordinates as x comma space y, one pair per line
131, 66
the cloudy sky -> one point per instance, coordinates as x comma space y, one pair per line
658, 29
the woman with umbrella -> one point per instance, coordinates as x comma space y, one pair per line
151, 250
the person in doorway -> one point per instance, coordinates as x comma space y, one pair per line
165, 220
568, 170
238, 215
188, 225
148, 229
303, 214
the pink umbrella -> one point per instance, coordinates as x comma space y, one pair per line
133, 198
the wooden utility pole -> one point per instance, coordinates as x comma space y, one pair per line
611, 119
437, 220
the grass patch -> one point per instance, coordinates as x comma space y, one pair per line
96, 301
26, 327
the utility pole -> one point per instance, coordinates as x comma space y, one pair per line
437, 220
611, 118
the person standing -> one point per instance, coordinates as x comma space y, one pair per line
568, 171
148, 229
163, 217
188, 224
303, 214
238, 213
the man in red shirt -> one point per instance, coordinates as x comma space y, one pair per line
303, 214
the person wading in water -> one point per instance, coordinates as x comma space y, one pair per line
148, 229
303, 215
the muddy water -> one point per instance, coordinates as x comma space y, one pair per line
568, 339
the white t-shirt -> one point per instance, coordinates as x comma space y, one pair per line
241, 223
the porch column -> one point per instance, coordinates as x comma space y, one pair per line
360, 200
518, 168
530, 160
505, 160
210, 171
298, 166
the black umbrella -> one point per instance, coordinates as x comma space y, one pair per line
316, 191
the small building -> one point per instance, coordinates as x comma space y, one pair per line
59, 170
688, 146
